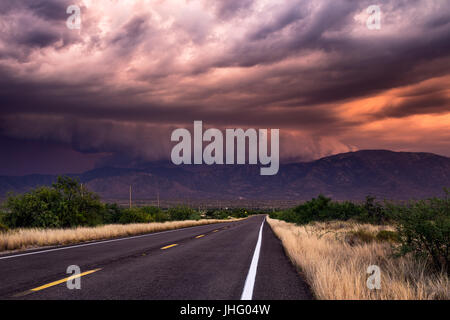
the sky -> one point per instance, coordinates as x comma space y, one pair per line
111, 92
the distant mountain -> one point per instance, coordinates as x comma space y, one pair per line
384, 174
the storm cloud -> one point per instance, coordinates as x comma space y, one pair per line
137, 69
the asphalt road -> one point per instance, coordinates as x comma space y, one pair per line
215, 262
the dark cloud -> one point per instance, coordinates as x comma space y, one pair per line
284, 18
133, 74
38, 38
32, 25
48, 9
44, 157
230, 8
436, 103
130, 35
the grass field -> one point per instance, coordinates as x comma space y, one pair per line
25, 238
334, 257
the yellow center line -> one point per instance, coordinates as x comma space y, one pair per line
48, 285
200, 236
170, 246
215, 230
45, 286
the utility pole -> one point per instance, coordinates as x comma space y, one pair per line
130, 198
157, 192
158, 198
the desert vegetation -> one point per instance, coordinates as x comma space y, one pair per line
334, 256
66, 212
23, 238
333, 244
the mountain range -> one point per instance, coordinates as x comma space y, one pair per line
347, 176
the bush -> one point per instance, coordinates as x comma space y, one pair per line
362, 236
64, 204
220, 214
345, 211
180, 213
156, 213
321, 209
324, 209
195, 216
3, 228
424, 230
359, 237
423, 227
114, 214
374, 212
111, 213
287, 215
34, 209
389, 236
135, 215
239, 213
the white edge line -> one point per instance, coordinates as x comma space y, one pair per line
101, 242
247, 293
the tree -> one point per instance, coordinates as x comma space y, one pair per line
64, 204
180, 213
424, 230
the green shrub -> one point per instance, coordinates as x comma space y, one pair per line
111, 213
362, 236
64, 204
233, 212
156, 213
424, 230
135, 215
180, 213
389, 236
423, 227
288, 215
359, 237
374, 212
344, 211
195, 216
150, 210
67, 204
219, 214
240, 213
3, 228
324, 209
321, 209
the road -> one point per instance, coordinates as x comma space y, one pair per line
226, 261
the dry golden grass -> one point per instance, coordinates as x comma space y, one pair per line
337, 270
30, 238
